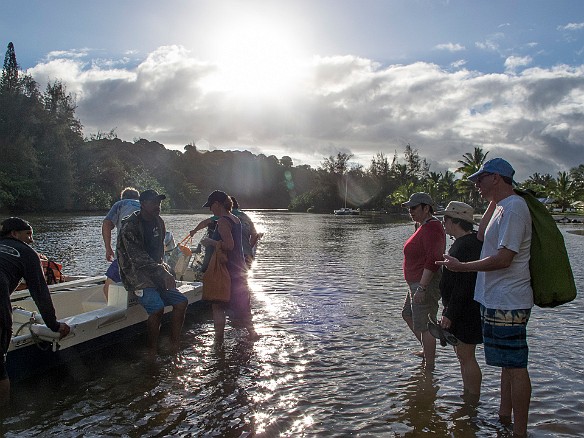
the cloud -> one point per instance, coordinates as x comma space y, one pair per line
514, 62
492, 43
534, 118
572, 27
451, 47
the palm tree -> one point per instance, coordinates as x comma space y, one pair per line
565, 190
541, 185
470, 163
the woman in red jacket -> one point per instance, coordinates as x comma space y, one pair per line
421, 251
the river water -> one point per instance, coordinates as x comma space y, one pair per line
334, 358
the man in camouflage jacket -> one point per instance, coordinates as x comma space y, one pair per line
140, 249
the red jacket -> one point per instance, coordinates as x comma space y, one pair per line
423, 249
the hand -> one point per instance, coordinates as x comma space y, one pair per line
445, 323
64, 330
169, 282
419, 297
192, 232
451, 263
109, 254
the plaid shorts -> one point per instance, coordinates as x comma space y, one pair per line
505, 337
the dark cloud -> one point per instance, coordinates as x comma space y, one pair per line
345, 104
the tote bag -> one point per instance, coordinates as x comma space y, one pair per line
216, 279
180, 256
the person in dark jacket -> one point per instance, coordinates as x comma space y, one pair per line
18, 260
140, 251
461, 315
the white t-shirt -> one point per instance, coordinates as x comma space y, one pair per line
509, 288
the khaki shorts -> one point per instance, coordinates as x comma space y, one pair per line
419, 312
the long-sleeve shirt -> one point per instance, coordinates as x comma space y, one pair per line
18, 260
140, 255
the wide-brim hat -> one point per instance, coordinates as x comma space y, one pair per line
420, 198
496, 165
438, 332
216, 196
459, 210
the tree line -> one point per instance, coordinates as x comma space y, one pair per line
47, 165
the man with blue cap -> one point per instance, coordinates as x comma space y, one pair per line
503, 286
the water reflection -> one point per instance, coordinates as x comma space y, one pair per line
334, 358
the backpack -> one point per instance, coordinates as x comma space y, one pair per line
552, 279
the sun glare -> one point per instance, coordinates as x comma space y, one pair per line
256, 58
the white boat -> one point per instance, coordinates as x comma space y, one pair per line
346, 211
94, 322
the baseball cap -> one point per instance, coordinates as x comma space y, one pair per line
496, 165
151, 195
218, 196
14, 224
420, 198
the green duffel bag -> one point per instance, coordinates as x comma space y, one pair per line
552, 279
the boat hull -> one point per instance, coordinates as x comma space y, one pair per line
94, 323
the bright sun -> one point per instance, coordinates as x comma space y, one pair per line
256, 58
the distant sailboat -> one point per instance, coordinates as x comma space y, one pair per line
345, 211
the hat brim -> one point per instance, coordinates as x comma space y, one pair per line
475, 176
452, 214
208, 204
154, 198
410, 204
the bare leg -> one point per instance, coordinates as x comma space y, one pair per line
153, 325
520, 384
4, 392
505, 405
219, 322
410, 322
469, 368
178, 319
106, 286
429, 346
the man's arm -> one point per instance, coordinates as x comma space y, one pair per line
37, 286
501, 260
106, 231
485, 220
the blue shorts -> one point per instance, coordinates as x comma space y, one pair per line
154, 300
505, 337
113, 272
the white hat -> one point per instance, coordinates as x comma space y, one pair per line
459, 210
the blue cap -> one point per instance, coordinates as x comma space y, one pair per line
496, 165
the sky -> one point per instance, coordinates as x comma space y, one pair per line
311, 78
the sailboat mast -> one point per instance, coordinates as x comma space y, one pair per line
345, 192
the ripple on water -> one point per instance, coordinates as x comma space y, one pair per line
334, 359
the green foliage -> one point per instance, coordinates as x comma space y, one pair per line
47, 165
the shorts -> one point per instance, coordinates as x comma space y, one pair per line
113, 272
419, 312
505, 337
153, 300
